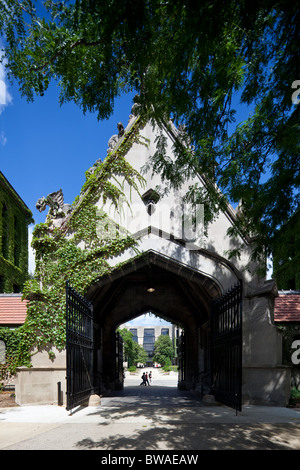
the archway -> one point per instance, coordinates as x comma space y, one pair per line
186, 256
150, 333
178, 293
145, 329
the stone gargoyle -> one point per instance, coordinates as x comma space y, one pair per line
57, 208
115, 138
111, 145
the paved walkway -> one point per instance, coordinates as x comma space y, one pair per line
158, 417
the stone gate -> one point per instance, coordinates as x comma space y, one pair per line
176, 267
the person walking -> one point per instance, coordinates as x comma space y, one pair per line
150, 376
143, 379
147, 381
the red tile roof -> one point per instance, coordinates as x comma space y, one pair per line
12, 309
287, 307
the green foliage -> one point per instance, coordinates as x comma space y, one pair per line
286, 261
193, 61
142, 356
294, 396
295, 393
167, 365
14, 220
11, 339
78, 252
133, 352
163, 350
185, 61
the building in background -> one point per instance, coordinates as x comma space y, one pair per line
287, 319
13, 310
15, 218
146, 336
286, 272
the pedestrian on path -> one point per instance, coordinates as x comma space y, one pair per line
147, 381
150, 376
143, 379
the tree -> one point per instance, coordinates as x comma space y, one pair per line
163, 350
286, 261
133, 352
194, 62
142, 356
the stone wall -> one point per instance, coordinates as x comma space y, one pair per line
38, 384
266, 385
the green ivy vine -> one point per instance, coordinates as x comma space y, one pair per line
14, 220
78, 252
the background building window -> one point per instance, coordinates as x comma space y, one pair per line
134, 333
165, 331
149, 340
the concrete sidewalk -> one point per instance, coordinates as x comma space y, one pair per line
52, 414
111, 427
158, 417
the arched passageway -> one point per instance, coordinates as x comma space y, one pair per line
217, 299
179, 294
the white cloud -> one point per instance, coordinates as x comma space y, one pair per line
147, 319
5, 96
270, 268
3, 139
31, 253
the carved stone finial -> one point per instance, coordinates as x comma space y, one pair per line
120, 129
136, 108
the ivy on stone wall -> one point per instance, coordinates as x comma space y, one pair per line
14, 220
78, 251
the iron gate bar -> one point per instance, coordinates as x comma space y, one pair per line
181, 358
79, 347
226, 348
119, 361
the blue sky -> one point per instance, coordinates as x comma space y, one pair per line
45, 147
146, 320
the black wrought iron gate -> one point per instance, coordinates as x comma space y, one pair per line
226, 348
79, 348
181, 358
